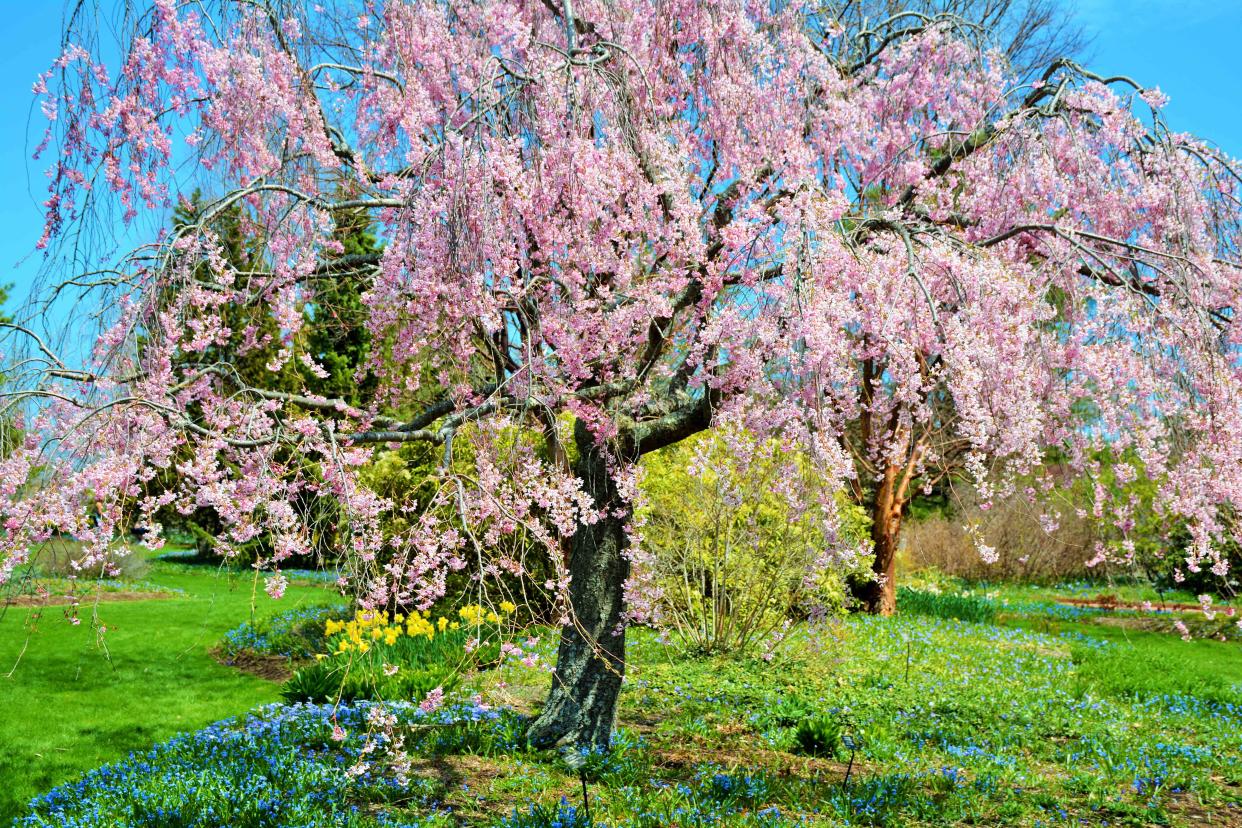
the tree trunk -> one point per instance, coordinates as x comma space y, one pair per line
879, 596
590, 662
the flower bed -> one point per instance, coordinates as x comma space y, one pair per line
284, 765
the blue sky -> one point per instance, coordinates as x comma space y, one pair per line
1189, 48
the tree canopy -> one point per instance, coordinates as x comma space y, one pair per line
618, 223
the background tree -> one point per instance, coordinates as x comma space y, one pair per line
333, 336
1031, 33
620, 224
891, 460
336, 329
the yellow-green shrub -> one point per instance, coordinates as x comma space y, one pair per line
740, 532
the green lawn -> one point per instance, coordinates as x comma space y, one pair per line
70, 704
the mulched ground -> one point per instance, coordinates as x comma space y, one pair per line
1112, 602
270, 667
50, 600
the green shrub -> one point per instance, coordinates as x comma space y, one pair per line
736, 528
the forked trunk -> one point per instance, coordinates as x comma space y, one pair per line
590, 662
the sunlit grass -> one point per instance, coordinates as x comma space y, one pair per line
74, 698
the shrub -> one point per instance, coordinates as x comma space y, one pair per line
1011, 526
1049, 537
741, 540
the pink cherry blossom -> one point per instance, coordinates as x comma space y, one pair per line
607, 227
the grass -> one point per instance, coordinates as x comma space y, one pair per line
1036, 718
955, 723
73, 699
1126, 592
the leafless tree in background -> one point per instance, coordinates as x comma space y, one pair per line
1032, 33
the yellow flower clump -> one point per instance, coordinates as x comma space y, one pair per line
369, 627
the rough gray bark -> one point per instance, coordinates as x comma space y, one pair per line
582, 705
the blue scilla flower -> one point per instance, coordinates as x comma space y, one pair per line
273, 768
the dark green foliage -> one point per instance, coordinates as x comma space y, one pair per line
241, 251
333, 334
296, 633
818, 735
336, 335
328, 681
1164, 563
945, 605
